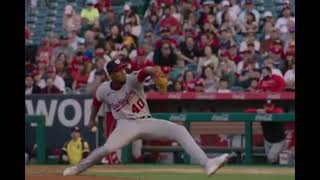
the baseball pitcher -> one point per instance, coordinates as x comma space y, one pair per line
125, 97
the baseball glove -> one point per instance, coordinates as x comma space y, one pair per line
162, 82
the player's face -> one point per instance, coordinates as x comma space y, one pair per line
119, 76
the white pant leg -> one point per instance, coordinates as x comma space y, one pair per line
151, 128
274, 151
125, 132
136, 148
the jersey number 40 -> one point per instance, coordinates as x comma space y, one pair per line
136, 107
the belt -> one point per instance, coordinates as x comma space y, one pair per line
149, 116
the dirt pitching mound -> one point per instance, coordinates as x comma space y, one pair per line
60, 177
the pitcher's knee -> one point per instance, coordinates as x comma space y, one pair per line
180, 129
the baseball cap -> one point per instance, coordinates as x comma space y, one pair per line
75, 129
51, 69
267, 14
268, 103
225, 3
248, 2
278, 41
208, 2
68, 9
126, 7
115, 65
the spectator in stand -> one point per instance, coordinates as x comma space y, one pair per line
226, 38
57, 80
30, 87
233, 53
61, 71
45, 50
89, 14
165, 54
250, 24
289, 78
73, 39
81, 80
250, 38
174, 11
247, 74
63, 48
42, 69
110, 50
286, 16
269, 35
273, 132
289, 60
188, 81
135, 25
149, 40
38, 81
127, 14
100, 76
223, 86
278, 62
178, 69
209, 59
103, 6
269, 63
267, 18
289, 43
249, 8
50, 88
152, 23
198, 87
176, 87
140, 61
99, 65
253, 85
27, 33
170, 22
209, 79
71, 20
106, 21
115, 35
234, 9
189, 49
246, 59
228, 23
271, 82
225, 10
224, 59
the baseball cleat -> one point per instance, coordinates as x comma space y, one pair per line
71, 171
213, 165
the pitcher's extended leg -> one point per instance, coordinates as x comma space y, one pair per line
125, 132
153, 129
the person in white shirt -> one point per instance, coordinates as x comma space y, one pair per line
175, 13
269, 63
250, 38
135, 26
234, 8
100, 64
282, 22
57, 80
249, 7
289, 77
127, 12
226, 8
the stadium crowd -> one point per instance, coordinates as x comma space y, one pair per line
217, 46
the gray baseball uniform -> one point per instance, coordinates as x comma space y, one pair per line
129, 107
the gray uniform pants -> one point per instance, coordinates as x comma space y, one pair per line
149, 128
273, 150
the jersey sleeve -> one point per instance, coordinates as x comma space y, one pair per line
97, 99
136, 78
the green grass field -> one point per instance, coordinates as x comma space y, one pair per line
174, 172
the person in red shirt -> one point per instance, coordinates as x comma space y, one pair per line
140, 61
81, 80
170, 22
271, 82
45, 50
27, 33
233, 53
189, 81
